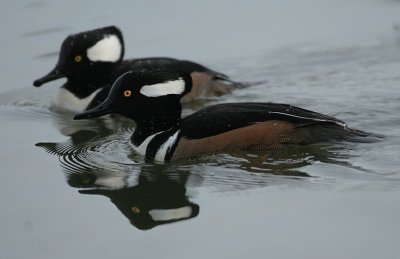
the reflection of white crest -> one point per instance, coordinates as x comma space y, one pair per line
107, 50
171, 214
170, 87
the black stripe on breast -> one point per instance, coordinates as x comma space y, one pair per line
155, 144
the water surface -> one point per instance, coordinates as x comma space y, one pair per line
74, 188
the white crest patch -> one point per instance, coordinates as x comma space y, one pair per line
171, 214
107, 49
161, 89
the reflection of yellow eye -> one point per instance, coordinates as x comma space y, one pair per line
136, 210
127, 93
85, 179
78, 59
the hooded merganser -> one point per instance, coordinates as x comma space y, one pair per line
152, 100
92, 60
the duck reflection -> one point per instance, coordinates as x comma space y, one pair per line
148, 201
150, 195
97, 159
148, 198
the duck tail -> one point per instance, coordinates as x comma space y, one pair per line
355, 135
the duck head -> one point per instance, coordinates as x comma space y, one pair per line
89, 54
145, 95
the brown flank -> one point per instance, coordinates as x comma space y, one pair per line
205, 85
259, 136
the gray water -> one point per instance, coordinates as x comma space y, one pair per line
75, 190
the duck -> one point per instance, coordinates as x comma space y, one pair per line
152, 100
92, 60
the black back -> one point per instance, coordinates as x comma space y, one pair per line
221, 118
169, 64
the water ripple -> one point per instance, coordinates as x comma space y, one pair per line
106, 151
28, 101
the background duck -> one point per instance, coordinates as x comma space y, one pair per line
92, 60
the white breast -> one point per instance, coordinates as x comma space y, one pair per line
65, 100
164, 148
141, 149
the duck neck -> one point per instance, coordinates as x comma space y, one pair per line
85, 83
155, 123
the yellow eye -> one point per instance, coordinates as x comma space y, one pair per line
78, 59
127, 93
135, 210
